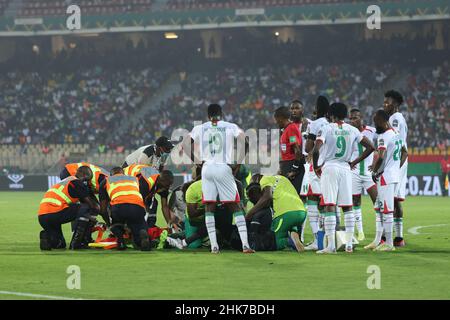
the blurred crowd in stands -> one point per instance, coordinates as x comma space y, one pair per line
84, 106
84, 98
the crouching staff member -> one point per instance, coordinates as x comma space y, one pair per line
134, 169
289, 212
154, 155
121, 192
60, 205
151, 183
98, 174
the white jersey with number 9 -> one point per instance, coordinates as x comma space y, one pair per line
216, 141
338, 140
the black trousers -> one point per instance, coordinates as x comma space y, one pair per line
260, 235
285, 168
133, 216
261, 222
153, 210
52, 223
224, 225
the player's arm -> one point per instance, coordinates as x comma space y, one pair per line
369, 148
104, 212
188, 144
194, 211
377, 164
404, 156
264, 202
78, 190
242, 140
315, 156
104, 202
166, 210
309, 146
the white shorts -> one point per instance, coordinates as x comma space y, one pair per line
218, 184
385, 198
361, 183
314, 185
336, 183
305, 183
400, 190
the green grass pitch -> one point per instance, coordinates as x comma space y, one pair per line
418, 271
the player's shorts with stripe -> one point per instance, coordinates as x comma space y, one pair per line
361, 183
400, 190
336, 184
385, 198
314, 184
305, 182
218, 183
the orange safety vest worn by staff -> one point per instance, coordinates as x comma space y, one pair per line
134, 169
150, 175
96, 172
57, 198
124, 189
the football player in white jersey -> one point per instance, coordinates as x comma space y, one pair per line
335, 144
314, 190
392, 102
391, 156
361, 175
215, 142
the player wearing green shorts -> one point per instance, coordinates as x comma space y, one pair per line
195, 228
289, 211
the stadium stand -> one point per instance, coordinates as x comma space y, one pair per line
238, 4
41, 92
249, 96
3, 6
427, 112
36, 8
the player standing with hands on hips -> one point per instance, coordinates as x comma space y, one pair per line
215, 140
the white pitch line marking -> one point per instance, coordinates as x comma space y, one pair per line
415, 230
32, 295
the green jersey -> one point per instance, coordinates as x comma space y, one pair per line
285, 197
194, 195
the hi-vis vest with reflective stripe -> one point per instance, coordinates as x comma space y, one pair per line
124, 189
57, 198
96, 171
150, 175
134, 169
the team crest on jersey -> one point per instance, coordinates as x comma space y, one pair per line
292, 139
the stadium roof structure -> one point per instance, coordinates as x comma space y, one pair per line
317, 14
